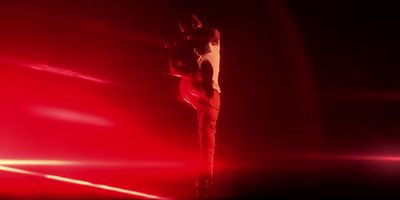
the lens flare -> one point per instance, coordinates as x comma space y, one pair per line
81, 182
37, 162
70, 115
66, 72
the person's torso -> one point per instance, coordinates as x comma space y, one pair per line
202, 51
210, 52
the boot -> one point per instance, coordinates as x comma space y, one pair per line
203, 187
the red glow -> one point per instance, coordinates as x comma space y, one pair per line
70, 115
137, 164
81, 182
54, 70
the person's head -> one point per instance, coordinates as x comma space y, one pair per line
189, 23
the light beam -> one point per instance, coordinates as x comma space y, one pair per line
81, 182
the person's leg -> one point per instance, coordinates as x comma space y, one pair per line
208, 129
207, 118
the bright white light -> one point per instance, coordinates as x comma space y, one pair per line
20, 171
81, 182
105, 187
111, 163
36, 162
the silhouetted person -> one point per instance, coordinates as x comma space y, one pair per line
195, 58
